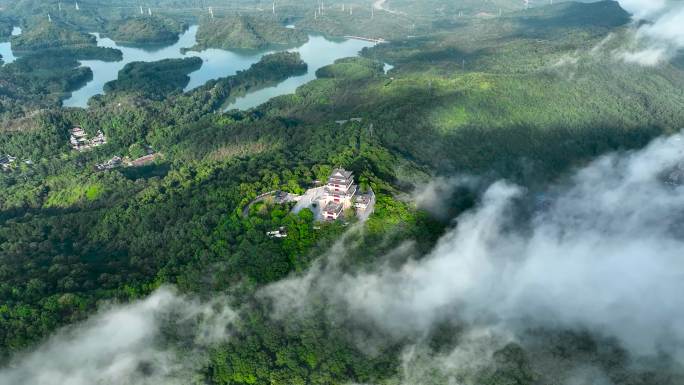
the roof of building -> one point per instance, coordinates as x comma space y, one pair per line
333, 207
78, 131
364, 198
143, 160
341, 173
348, 193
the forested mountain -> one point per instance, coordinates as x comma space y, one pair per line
167, 226
146, 30
242, 32
51, 35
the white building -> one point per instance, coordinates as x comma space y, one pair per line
280, 233
332, 211
110, 164
79, 139
6, 161
340, 188
362, 201
338, 194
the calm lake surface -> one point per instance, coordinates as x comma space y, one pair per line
317, 52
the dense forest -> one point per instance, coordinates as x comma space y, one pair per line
43, 79
5, 28
145, 30
154, 80
246, 32
51, 35
524, 96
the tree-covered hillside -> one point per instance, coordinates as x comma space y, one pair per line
145, 30
244, 32
527, 97
48, 34
154, 80
6, 27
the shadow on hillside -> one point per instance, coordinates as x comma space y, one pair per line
525, 151
563, 16
146, 171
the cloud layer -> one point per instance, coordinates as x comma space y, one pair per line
604, 254
122, 346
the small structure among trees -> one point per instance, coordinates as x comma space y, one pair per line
363, 201
109, 165
6, 161
79, 139
280, 233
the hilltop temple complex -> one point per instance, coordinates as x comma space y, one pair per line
338, 193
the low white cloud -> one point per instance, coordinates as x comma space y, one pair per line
604, 255
587, 376
461, 365
433, 196
123, 345
661, 36
646, 57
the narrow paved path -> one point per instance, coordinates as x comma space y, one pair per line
308, 199
260, 198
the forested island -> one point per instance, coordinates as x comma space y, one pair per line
155, 80
48, 34
146, 30
246, 32
43, 79
174, 209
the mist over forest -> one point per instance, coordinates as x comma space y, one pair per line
397, 192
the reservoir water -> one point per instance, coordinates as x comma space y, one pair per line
6, 48
317, 52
